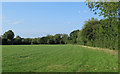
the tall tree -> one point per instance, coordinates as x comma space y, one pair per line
73, 36
9, 35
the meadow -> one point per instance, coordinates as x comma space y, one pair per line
57, 58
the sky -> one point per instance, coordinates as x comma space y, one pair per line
37, 19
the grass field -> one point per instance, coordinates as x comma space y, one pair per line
56, 58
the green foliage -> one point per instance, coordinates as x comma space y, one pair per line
34, 41
26, 41
43, 40
8, 37
17, 40
103, 33
73, 37
107, 9
64, 39
0, 40
57, 38
50, 39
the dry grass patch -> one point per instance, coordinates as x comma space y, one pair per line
113, 52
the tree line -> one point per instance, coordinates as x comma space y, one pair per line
8, 39
97, 33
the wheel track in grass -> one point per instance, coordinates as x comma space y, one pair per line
60, 56
62, 63
69, 62
67, 59
84, 60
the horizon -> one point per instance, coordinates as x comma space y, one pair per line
37, 19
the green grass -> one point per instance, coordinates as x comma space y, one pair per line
56, 58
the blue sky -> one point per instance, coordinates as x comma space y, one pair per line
37, 19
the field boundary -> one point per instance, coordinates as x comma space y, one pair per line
113, 52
